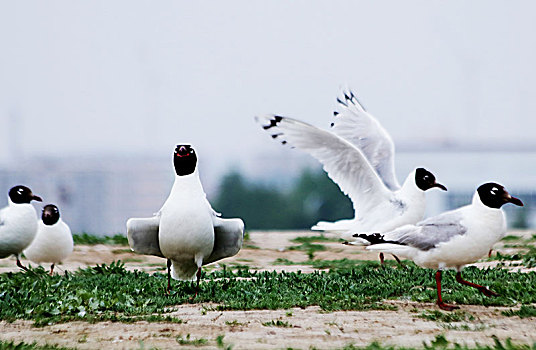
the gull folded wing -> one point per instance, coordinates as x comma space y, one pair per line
228, 238
143, 235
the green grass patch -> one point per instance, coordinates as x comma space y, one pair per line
87, 239
5, 345
110, 292
311, 239
528, 258
191, 341
510, 238
446, 317
523, 312
335, 264
277, 323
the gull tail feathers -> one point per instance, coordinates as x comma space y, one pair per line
184, 271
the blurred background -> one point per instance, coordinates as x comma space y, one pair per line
95, 95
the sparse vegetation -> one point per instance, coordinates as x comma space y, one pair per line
88, 239
277, 323
110, 292
523, 312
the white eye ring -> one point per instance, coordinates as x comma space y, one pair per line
494, 191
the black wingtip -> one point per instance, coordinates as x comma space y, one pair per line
374, 238
273, 122
335, 113
342, 103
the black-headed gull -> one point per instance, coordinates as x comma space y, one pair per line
452, 239
186, 231
53, 241
358, 155
18, 223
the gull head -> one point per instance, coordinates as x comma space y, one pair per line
425, 180
495, 196
184, 160
50, 214
22, 194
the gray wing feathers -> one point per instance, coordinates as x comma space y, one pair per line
228, 238
429, 233
142, 235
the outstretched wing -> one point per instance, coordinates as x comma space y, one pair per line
428, 233
353, 123
228, 238
345, 164
142, 235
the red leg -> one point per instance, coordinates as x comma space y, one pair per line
381, 259
19, 264
440, 302
482, 289
168, 276
51, 269
489, 254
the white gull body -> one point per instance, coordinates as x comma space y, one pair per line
18, 226
449, 240
52, 243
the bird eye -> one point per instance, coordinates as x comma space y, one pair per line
426, 177
494, 191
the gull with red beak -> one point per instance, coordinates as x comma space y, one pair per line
358, 155
18, 223
452, 239
186, 231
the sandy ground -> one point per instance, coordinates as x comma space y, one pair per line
245, 330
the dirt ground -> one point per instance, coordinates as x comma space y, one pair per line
306, 328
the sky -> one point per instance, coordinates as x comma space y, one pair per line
99, 78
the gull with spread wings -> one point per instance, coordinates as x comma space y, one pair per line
358, 155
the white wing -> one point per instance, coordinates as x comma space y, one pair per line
142, 235
345, 164
2, 216
353, 123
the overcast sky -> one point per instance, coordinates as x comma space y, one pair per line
136, 77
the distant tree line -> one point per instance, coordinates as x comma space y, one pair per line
313, 197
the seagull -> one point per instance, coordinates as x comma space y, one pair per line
18, 223
53, 241
186, 231
452, 239
358, 155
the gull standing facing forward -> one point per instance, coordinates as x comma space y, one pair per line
53, 241
186, 231
452, 239
359, 157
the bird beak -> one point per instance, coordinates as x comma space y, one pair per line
37, 198
438, 185
514, 200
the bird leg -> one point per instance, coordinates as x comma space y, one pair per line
381, 259
398, 261
51, 269
482, 289
198, 278
489, 253
440, 302
19, 264
168, 276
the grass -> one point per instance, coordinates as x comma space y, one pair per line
446, 317
523, 312
528, 258
87, 239
4, 345
334, 264
110, 292
319, 238
277, 323
190, 341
